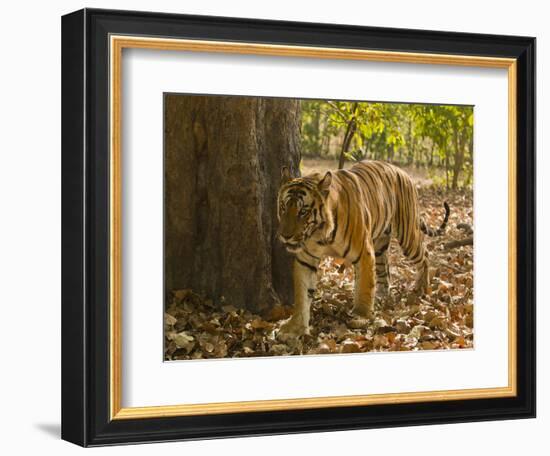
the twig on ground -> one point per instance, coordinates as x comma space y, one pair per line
459, 243
467, 228
448, 266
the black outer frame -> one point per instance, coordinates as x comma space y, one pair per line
85, 227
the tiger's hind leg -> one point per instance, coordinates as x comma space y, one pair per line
406, 228
382, 268
423, 275
418, 256
412, 244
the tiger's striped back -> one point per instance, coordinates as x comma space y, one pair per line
385, 196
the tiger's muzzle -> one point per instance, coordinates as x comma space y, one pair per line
290, 243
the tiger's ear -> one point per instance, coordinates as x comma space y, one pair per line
285, 175
324, 184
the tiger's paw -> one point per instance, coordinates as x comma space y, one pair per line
360, 323
363, 311
422, 284
292, 328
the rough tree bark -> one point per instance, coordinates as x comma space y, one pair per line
223, 157
348, 136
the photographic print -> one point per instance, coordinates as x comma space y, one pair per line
316, 227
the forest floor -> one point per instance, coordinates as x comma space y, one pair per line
441, 319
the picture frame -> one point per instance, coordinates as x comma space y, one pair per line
92, 45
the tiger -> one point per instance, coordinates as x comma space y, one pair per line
351, 214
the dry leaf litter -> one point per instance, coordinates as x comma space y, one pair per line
198, 328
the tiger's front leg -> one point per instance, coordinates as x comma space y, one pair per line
305, 280
365, 282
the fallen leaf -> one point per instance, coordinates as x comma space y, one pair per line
350, 346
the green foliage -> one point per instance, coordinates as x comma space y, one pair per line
433, 136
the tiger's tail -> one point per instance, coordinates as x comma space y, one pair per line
439, 231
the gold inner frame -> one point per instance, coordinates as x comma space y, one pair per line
117, 44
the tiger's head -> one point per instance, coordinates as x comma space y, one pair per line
302, 208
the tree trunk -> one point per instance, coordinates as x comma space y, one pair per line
391, 153
317, 129
458, 159
223, 160
431, 162
470, 162
447, 169
367, 144
410, 145
348, 136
